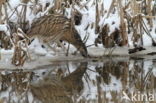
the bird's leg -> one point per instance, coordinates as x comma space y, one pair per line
62, 46
58, 43
48, 45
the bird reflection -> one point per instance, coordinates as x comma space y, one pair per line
55, 89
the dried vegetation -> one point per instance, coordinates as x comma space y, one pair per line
133, 15
136, 18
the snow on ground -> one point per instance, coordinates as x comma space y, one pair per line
88, 18
41, 58
36, 61
5, 28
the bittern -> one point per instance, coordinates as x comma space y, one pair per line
51, 28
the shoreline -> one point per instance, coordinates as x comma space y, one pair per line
97, 55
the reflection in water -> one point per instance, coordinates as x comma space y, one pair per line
55, 89
92, 82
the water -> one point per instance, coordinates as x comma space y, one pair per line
110, 80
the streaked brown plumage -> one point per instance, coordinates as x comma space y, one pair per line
51, 28
55, 89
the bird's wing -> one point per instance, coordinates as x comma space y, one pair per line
49, 26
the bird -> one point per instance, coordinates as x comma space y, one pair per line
56, 27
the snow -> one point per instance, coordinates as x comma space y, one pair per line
117, 51
88, 18
36, 48
4, 28
3, 51
115, 85
14, 3
147, 66
154, 71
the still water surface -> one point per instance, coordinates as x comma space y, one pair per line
95, 81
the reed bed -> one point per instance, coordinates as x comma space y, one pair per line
136, 20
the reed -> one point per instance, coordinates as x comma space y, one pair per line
136, 19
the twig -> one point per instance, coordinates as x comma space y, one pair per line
85, 4
147, 31
68, 49
85, 39
15, 10
90, 45
92, 70
6, 14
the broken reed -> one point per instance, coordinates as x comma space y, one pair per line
20, 49
5, 41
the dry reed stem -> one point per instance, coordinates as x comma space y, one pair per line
111, 8
20, 50
123, 27
97, 18
25, 1
149, 11
6, 14
2, 2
